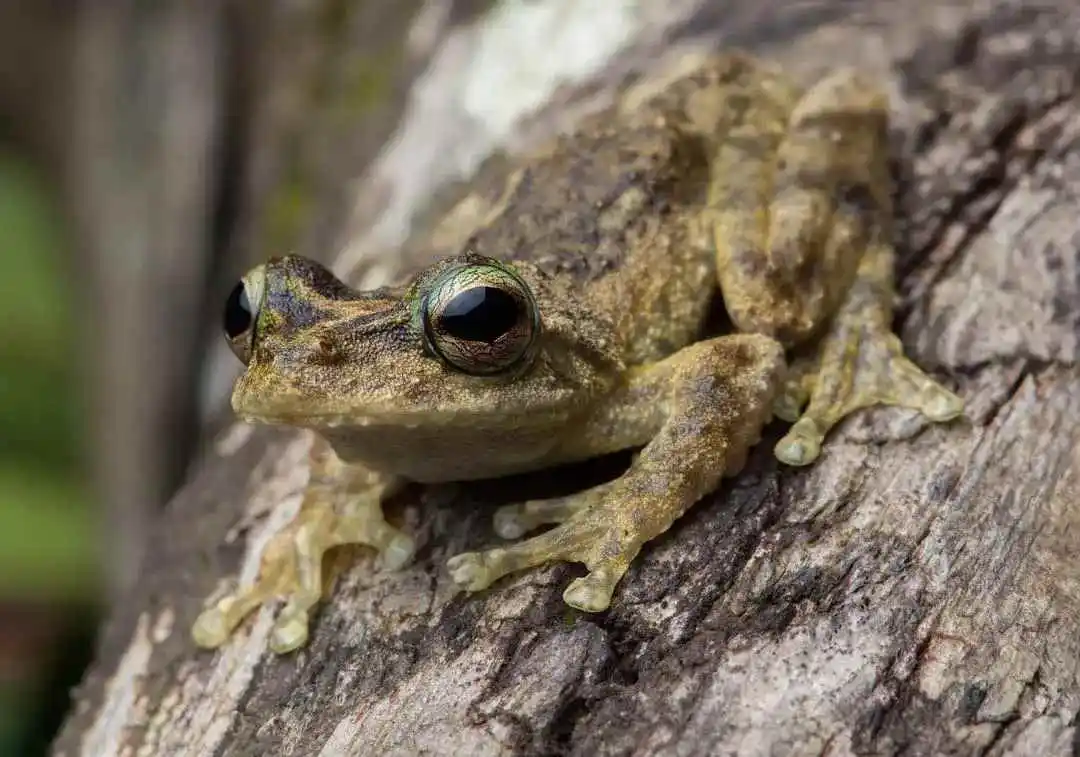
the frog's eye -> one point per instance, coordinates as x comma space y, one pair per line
480, 319
242, 312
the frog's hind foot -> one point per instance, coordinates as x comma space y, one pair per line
859, 363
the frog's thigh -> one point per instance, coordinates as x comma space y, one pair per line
815, 251
342, 505
718, 394
792, 213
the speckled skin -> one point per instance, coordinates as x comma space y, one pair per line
621, 232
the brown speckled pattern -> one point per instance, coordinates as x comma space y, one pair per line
622, 233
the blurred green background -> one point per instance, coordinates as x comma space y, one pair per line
49, 573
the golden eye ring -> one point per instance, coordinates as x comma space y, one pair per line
480, 319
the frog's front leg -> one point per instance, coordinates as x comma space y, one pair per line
802, 221
710, 401
342, 505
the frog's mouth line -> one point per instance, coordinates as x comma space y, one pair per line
350, 420
399, 420
518, 410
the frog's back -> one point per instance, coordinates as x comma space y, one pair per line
610, 208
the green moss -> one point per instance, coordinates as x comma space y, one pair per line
287, 214
345, 85
367, 82
333, 18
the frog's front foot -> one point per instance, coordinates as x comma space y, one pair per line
280, 566
857, 365
579, 539
291, 568
514, 521
605, 552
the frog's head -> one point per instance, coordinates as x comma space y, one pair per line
469, 342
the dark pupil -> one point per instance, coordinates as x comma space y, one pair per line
237, 312
480, 314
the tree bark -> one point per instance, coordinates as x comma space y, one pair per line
914, 592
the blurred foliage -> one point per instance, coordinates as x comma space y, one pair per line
48, 536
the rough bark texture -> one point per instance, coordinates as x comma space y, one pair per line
915, 592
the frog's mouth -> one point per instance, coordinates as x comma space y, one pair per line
374, 418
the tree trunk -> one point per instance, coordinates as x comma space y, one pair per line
913, 592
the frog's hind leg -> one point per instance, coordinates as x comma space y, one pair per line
716, 396
802, 229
